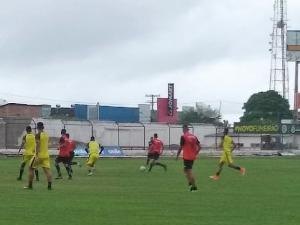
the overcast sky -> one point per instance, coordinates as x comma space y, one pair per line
114, 52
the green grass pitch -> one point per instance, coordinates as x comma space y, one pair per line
120, 194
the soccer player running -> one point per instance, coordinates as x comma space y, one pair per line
71, 145
63, 156
149, 151
190, 146
41, 157
155, 150
28, 142
93, 149
228, 146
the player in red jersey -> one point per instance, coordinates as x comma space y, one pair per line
63, 155
155, 150
149, 150
190, 146
71, 146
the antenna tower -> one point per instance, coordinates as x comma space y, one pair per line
279, 76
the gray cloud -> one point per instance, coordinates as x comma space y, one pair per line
91, 50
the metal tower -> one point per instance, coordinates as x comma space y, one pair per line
279, 76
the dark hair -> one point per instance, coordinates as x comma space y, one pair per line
92, 138
226, 130
185, 126
40, 125
63, 131
155, 135
28, 129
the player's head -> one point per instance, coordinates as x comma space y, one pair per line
63, 131
92, 138
225, 131
185, 128
28, 129
40, 126
155, 135
67, 135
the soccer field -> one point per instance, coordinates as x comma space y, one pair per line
118, 193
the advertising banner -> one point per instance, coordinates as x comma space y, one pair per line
170, 99
108, 151
256, 128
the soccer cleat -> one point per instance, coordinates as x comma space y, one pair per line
90, 173
242, 171
19, 178
28, 187
214, 177
49, 188
193, 189
58, 177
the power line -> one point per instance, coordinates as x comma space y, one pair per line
152, 102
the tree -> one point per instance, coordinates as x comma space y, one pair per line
266, 107
200, 114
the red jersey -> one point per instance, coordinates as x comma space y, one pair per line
156, 146
70, 144
190, 146
63, 147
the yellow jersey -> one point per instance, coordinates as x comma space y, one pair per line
93, 148
227, 144
29, 144
43, 139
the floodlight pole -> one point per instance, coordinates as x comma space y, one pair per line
296, 91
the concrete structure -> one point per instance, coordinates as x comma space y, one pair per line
163, 112
23, 110
130, 136
2, 133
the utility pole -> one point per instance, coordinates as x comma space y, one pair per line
152, 102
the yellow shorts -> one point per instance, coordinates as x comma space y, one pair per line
92, 160
226, 157
27, 158
40, 162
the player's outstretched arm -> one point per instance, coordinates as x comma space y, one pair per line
178, 152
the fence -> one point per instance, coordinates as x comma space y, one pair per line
125, 135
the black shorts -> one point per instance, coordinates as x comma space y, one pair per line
188, 164
64, 160
153, 155
72, 154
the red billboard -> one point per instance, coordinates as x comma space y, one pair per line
163, 111
170, 99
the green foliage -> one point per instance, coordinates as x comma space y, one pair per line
120, 194
266, 107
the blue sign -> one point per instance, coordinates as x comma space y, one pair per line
112, 151
108, 151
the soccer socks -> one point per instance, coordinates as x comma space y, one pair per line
234, 167
49, 185
21, 171
68, 168
58, 170
158, 164
36, 175
21, 174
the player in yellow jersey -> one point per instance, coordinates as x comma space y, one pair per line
41, 157
93, 149
228, 146
28, 142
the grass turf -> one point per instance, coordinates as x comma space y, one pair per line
119, 193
